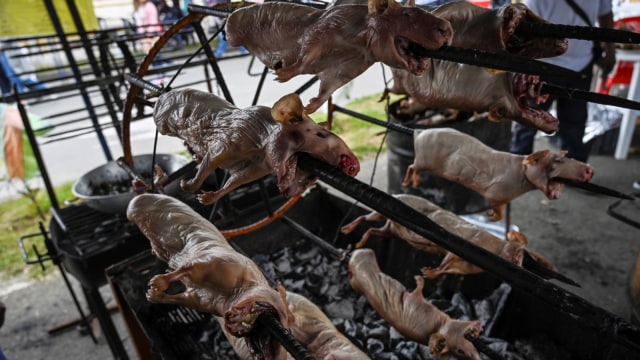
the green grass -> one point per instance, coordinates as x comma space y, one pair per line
363, 137
19, 217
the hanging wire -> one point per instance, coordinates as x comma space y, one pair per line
197, 52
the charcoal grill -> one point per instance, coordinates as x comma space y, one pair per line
523, 322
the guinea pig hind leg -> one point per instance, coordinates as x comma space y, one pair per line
207, 166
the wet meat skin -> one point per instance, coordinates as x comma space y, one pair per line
505, 96
497, 175
512, 250
218, 280
339, 43
249, 143
493, 30
409, 312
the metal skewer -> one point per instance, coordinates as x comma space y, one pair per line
503, 62
576, 94
594, 188
577, 32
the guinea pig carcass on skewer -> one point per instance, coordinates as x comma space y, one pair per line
339, 43
409, 312
514, 250
249, 143
218, 279
497, 175
504, 96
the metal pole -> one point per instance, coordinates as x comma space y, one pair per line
97, 72
55, 20
36, 151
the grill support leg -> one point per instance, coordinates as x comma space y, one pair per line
99, 309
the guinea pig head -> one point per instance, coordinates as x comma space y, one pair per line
299, 133
397, 33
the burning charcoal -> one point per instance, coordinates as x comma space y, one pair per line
283, 265
341, 309
351, 329
395, 336
293, 285
387, 356
379, 331
374, 346
489, 309
505, 349
423, 350
310, 253
333, 292
338, 323
265, 265
407, 349
370, 316
540, 347
313, 280
299, 272
361, 303
466, 310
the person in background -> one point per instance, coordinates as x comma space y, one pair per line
222, 42
147, 22
17, 70
168, 15
579, 57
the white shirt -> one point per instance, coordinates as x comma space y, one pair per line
579, 53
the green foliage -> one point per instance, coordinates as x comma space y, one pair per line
20, 218
363, 137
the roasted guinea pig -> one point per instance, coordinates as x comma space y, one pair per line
314, 330
218, 279
339, 43
504, 96
514, 250
499, 176
249, 143
409, 312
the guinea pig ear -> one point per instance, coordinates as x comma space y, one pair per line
410, 3
288, 110
535, 157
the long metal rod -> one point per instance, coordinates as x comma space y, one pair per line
212, 61
387, 124
269, 322
263, 76
560, 31
55, 258
93, 62
504, 62
606, 324
589, 96
340, 254
44, 173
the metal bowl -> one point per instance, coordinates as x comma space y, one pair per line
108, 188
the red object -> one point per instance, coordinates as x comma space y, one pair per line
484, 4
623, 69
